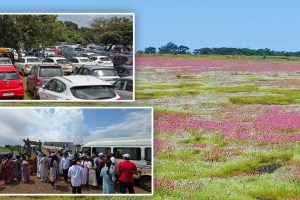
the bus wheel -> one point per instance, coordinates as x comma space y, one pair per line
145, 183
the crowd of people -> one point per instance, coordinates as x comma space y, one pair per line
78, 171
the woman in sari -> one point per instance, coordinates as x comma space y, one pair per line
8, 167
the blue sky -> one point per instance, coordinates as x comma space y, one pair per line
77, 125
254, 24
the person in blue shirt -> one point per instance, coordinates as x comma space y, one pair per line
75, 172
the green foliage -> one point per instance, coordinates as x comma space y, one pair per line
113, 31
263, 99
233, 89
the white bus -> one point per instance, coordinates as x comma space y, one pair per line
139, 148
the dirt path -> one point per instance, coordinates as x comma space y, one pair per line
35, 186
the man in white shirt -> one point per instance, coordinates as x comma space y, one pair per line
65, 162
75, 173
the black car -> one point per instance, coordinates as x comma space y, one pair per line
122, 60
124, 70
40, 75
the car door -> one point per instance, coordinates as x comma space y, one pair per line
120, 87
31, 79
53, 90
19, 64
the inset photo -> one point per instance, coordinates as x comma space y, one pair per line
67, 57
76, 151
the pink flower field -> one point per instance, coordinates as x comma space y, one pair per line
223, 129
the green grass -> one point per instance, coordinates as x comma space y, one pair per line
233, 89
263, 99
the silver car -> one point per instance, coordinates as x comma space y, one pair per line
124, 87
77, 88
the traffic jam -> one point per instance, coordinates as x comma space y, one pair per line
67, 72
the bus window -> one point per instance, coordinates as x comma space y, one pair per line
135, 153
86, 150
104, 150
148, 154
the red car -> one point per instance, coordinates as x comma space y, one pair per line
11, 84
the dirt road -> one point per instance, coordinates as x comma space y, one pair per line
35, 186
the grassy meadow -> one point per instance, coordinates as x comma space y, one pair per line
224, 127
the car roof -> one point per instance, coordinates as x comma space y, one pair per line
81, 57
83, 80
91, 67
127, 78
29, 57
7, 69
57, 57
124, 66
4, 58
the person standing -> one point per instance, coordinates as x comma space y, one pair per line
101, 164
126, 169
38, 170
53, 170
92, 173
18, 165
8, 167
109, 178
44, 165
85, 170
75, 172
25, 171
65, 162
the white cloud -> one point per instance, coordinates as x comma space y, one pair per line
134, 124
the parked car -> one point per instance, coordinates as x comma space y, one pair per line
5, 62
102, 60
123, 60
25, 64
77, 62
77, 88
69, 52
11, 83
40, 56
40, 75
105, 73
124, 70
124, 87
89, 54
63, 62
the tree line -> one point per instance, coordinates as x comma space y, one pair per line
171, 48
38, 31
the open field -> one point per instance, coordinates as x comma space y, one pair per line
223, 128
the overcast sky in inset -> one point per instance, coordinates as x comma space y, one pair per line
77, 125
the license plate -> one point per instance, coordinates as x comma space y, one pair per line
5, 94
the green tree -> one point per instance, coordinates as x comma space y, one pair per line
112, 31
150, 50
168, 48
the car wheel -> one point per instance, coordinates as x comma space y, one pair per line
145, 183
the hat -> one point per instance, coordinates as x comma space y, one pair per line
126, 155
100, 154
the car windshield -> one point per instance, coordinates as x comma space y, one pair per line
9, 76
85, 60
93, 92
50, 72
5, 62
33, 60
105, 59
104, 72
63, 61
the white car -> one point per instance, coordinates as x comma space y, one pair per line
5, 62
63, 62
103, 61
78, 62
25, 64
77, 88
124, 87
